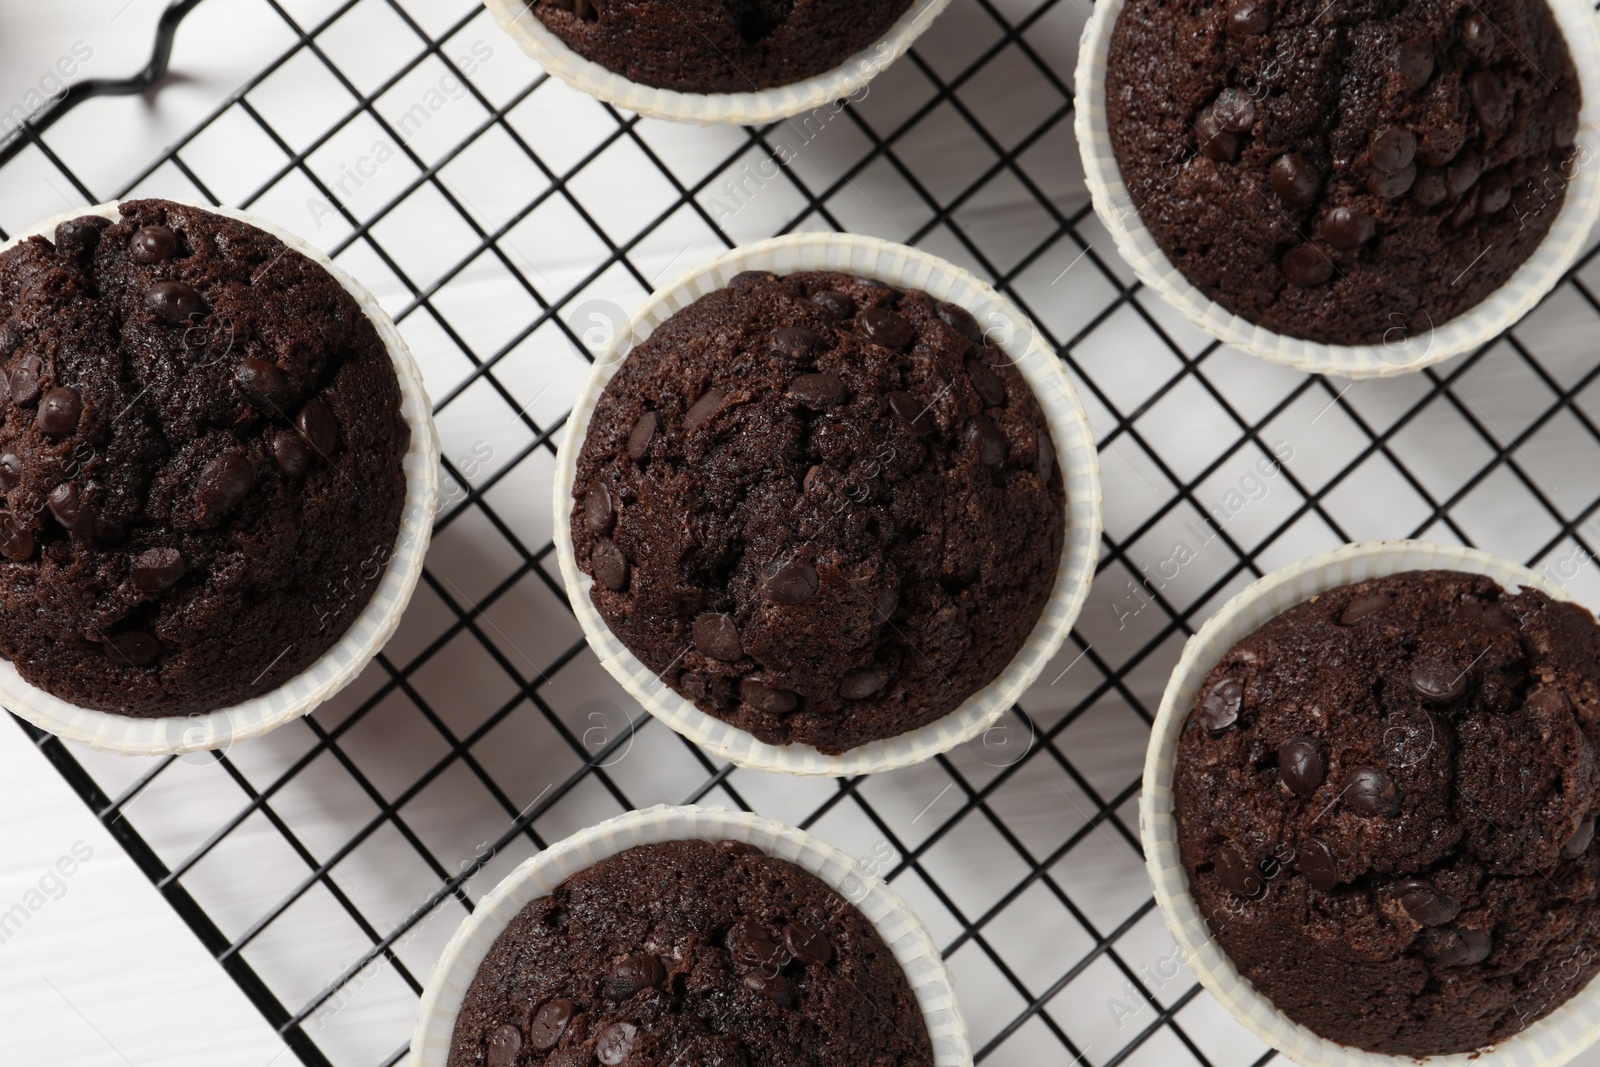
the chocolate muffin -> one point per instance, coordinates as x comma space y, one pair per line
1386, 800
1347, 173
719, 46
689, 952
200, 461
825, 510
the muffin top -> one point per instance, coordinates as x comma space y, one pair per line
1386, 798
200, 461
719, 46
1348, 173
824, 510
689, 952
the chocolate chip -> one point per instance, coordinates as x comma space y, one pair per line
1238, 874
1463, 174
775, 987
1317, 865
794, 582
1302, 766
692, 685
598, 511
16, 541
67, 506
158, 569
1363, 606
1045, 457
262, 382
702, 410
1392, 184
1489, 98
1477, 34
1578, 843
960, 320
59, 411
1413, 61
550, 1022
751, 945
987, 383
24, 380
1219, 709
738, 848
78, 238
1494, 192
610, 565
1425, 903
912, 412
1458, 947
884, 609
839, 305
643, 432
1392, 148
766, 698
634, 974
794, 342
504, 1045
717, 636
1437, 682
1295, 178
615, 1042
751, 277
223, 485
174, 303
153, 244
1370, 791
1347, 227
1431, 188
863, 682
807, 944
887, 328
132, 648
984, 435
1234, 111
817, 390
10, 470
1247, 18
1466, 209
1214, 141
290, 453
1307, 266
319, 427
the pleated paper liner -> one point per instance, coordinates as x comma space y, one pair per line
1551, 1041
904, 268
899, 927
1478, 326
340, 664
845, 82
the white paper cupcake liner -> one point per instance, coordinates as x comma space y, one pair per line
341, 663
904, 268
1551, 1041
896, 923
745, 109
1477, 326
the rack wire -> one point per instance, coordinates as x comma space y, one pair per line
325, 866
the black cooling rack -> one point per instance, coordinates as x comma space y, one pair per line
487, 720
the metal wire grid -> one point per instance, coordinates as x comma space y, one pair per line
994, 875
